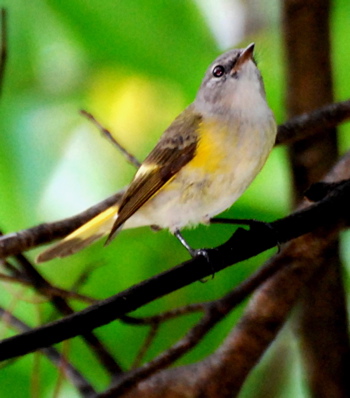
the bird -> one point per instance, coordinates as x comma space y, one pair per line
202, 163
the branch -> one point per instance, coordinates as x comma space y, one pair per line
243, 244
308, 124
128, 156
49, 291
81, 384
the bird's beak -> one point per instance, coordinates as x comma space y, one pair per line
246, 55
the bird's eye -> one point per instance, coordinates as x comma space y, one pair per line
218, 71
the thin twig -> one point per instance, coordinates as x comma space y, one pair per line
129, 157
15, 279
155, 321
164, 316
10, 267
146, 345
50, 291
84, 276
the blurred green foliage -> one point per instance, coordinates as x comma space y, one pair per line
135, 66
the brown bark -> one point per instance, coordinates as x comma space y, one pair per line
309, 85
322, 320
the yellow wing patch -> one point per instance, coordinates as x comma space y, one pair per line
81, 237
210, 152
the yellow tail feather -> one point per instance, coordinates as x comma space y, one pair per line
94, 229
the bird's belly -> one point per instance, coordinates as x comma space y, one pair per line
195, 195
208, 184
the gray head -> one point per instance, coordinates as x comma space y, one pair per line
232, 82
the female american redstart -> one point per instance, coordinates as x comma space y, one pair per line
202, 163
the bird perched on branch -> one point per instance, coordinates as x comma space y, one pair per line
202, 162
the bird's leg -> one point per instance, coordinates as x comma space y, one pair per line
193, 252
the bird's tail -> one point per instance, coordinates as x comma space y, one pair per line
83, 236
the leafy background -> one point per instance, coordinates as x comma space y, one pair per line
135, 66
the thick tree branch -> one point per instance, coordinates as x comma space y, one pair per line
242, 245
